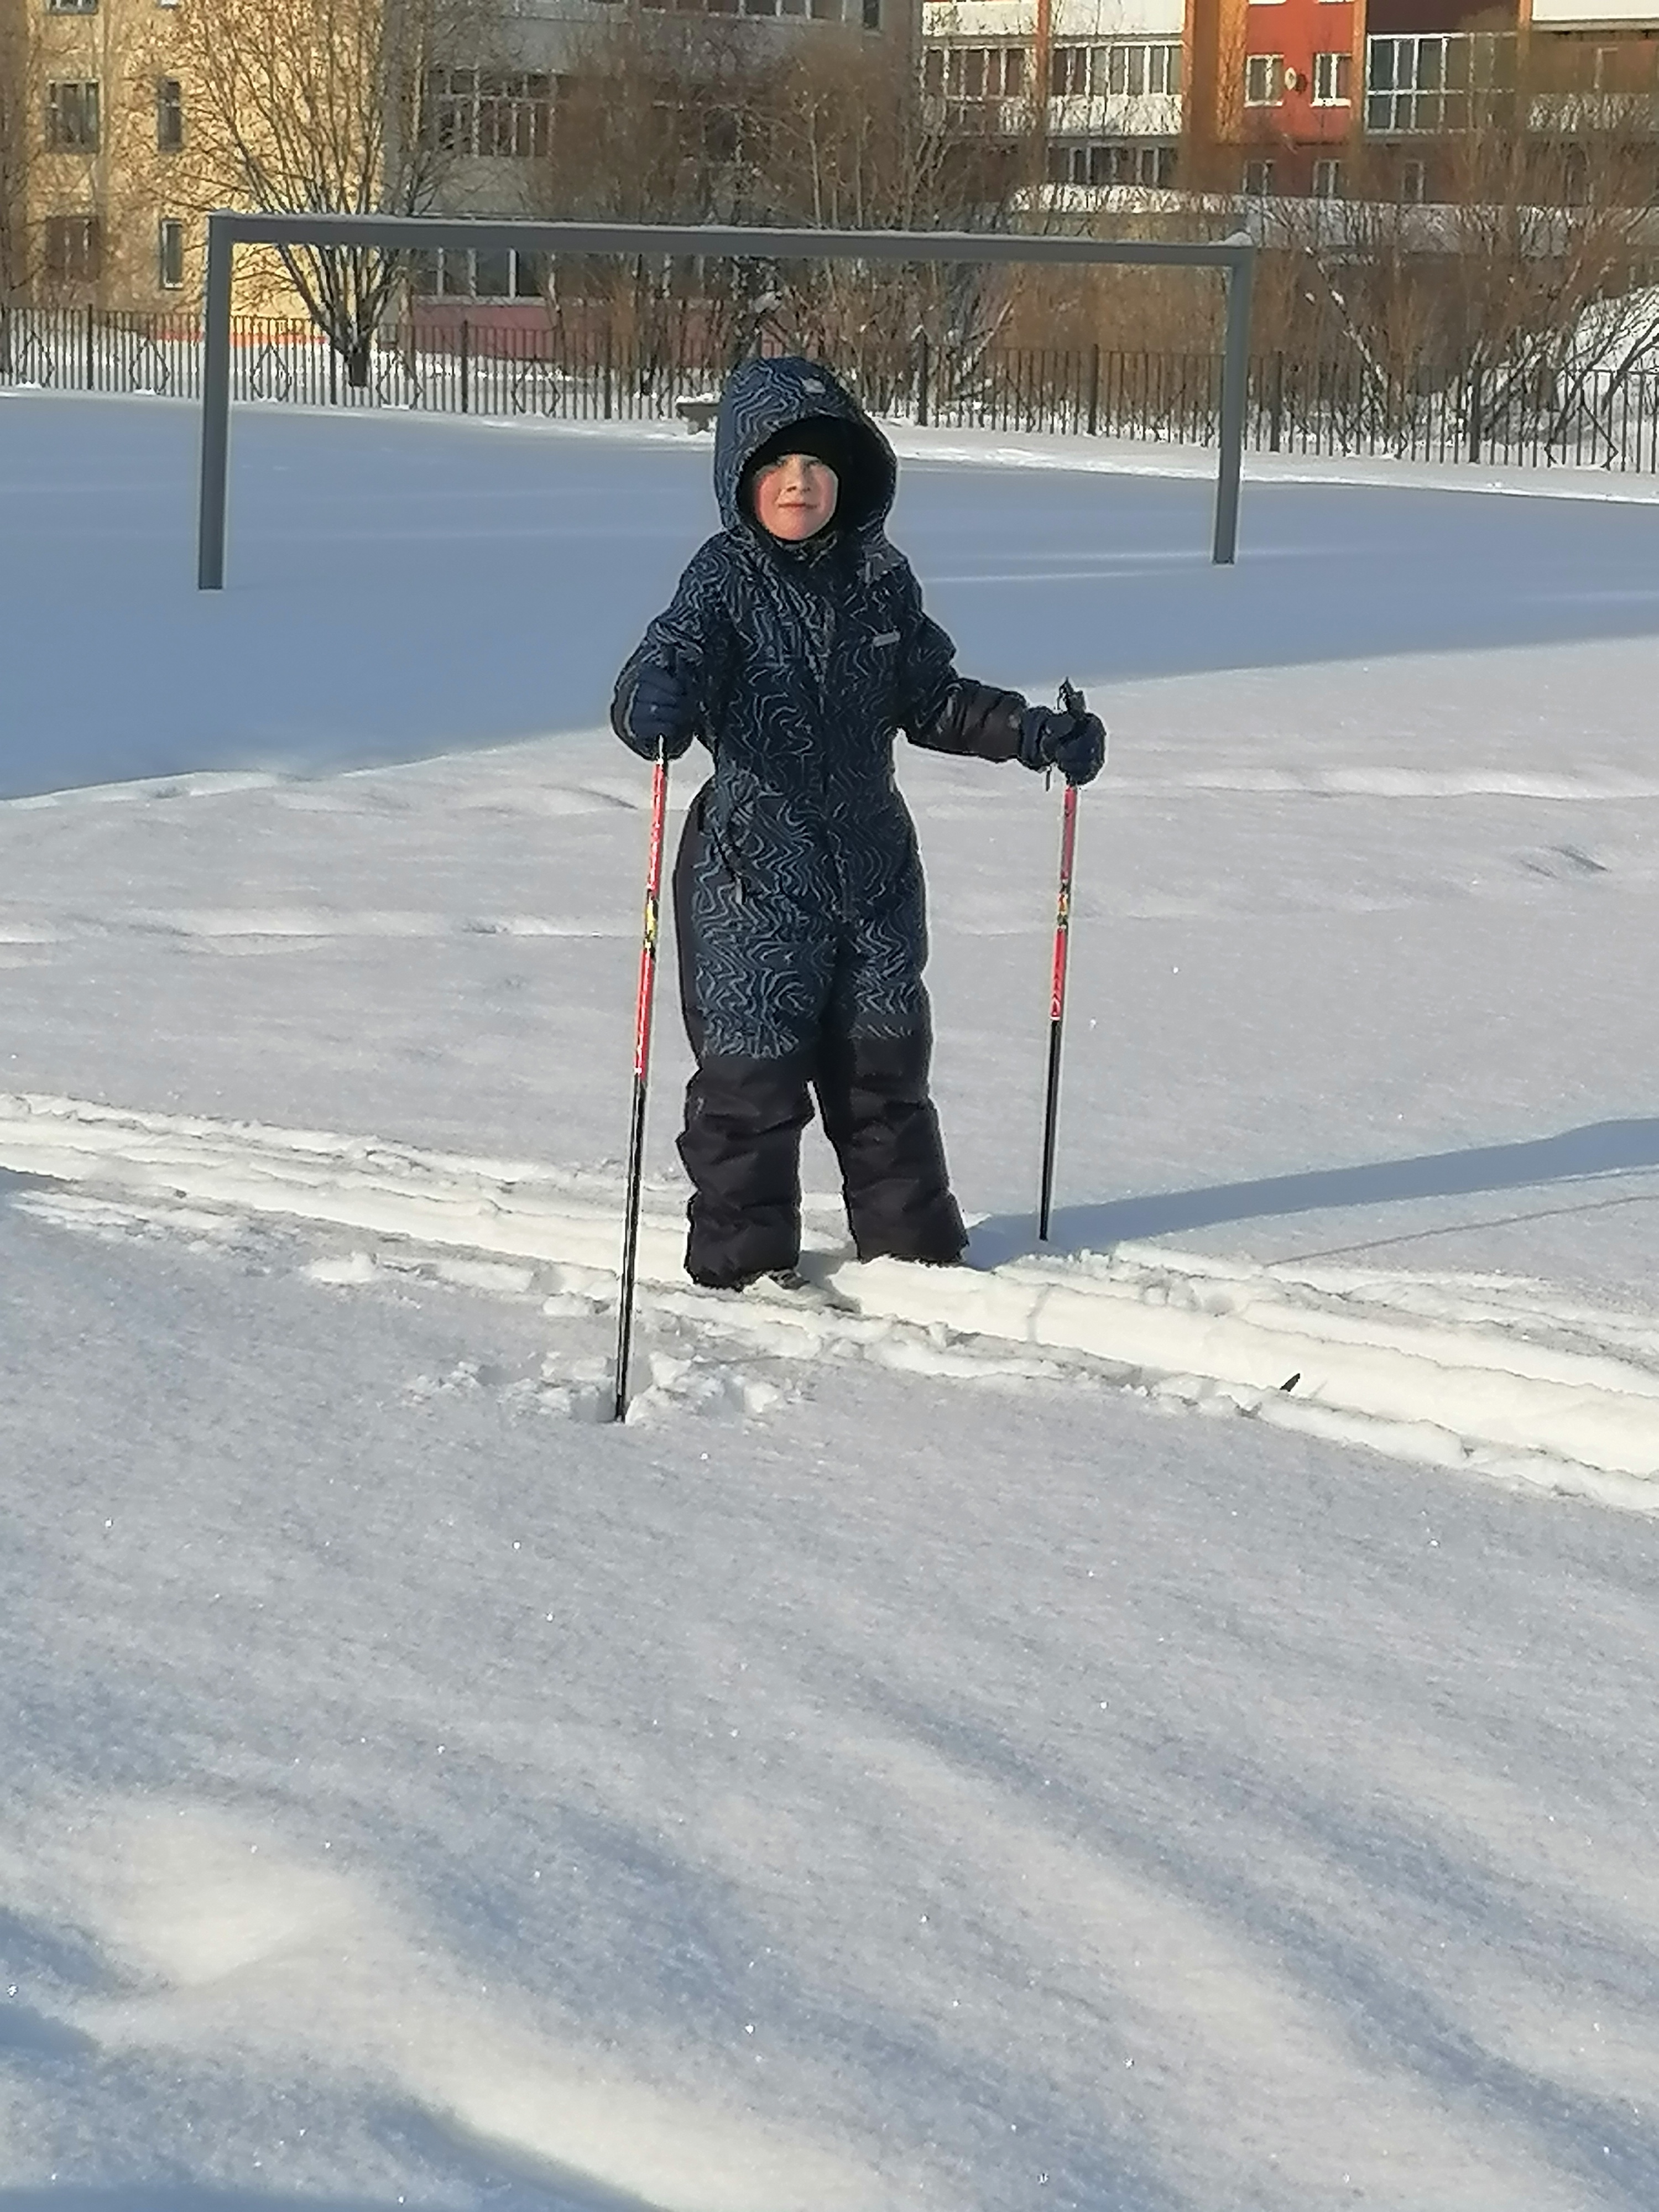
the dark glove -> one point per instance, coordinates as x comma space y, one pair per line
662, 710
1074, 743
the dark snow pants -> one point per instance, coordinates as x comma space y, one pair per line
744, 1113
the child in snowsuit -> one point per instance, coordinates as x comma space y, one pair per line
796, 647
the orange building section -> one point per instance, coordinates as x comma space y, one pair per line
1276, 89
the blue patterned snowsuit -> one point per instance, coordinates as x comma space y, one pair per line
799, 889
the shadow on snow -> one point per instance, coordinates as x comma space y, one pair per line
1600, 1148
456, 587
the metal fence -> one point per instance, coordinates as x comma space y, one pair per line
588, 370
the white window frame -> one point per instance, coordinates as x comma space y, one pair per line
1434, 80
1148, 158
451, 273
485, 114
1259, 179
1272, 67
1327, 177
1137, 164
948, 70
1078, 65
1333, 78
1134, 68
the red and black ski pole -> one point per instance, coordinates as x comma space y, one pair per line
1072, 700
642, 1011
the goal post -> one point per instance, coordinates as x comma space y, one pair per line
397, 234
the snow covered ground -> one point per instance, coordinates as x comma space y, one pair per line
918, 1760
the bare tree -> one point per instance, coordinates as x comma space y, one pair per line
1501, 306
15, 260
656, 121
1544, 224
695, 120
851, 146
307, 105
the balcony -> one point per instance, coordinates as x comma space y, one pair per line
961, 22
1123, 89
1606, 115
1150, 115
979, 118
1628, 15
1438, 83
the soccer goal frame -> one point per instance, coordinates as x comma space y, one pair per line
397, 234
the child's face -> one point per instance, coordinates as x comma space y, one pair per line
795, 497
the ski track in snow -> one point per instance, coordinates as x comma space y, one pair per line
1497, 1376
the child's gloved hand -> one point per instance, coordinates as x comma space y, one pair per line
1053, 738
662, 711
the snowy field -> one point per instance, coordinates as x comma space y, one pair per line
973, 1742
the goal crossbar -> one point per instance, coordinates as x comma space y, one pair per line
396, 233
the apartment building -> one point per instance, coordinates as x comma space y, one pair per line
1603, 47
1319, 98
1275, 87
110, 155
1094, 88
1300, 99
497, 112
1434, 71
91, 141
102, 196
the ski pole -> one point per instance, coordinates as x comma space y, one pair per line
1072, 700
642, 1010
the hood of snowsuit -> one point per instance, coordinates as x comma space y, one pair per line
762, 397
